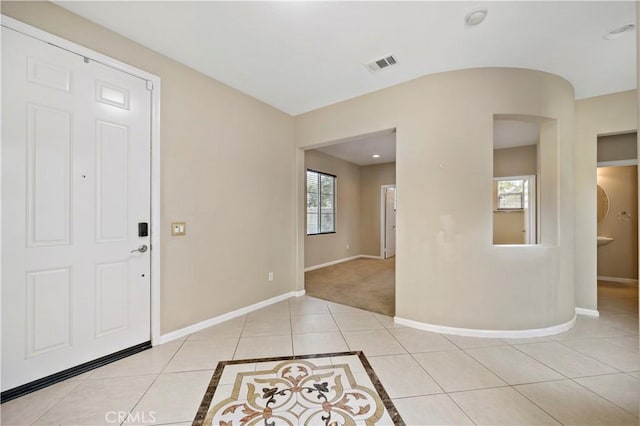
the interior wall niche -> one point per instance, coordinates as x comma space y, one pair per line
515, 171
523, 155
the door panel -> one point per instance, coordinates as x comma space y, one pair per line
112, 291
48, 311
48, 169
390, 222
112, 157
75, 184
48, 75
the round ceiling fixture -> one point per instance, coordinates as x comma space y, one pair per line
618, 31
476, 17
376, 155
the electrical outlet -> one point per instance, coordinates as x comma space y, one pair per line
178, 228
347, 246
270, 276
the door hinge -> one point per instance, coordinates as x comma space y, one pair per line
149, 85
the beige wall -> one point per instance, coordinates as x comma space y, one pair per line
448, 272
508, 227
619, 258
609, 114
517, 161
325, 248
618, 147
371, 180
227, 170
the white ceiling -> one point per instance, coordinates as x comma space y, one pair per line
360, 150
512, 133
299, 56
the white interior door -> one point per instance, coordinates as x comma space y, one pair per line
75, 185
390, 222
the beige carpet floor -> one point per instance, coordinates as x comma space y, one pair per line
363, 283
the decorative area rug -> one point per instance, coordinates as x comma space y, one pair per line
327, 389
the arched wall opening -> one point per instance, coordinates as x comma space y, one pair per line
449, 276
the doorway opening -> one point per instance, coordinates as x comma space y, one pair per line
617, 225
350, 222
388, 207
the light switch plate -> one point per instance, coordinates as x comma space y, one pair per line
178, 228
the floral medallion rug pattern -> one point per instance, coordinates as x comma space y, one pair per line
324, 390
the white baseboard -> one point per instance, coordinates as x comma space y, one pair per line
368, 256
346, 259
626, 281
587, 312
333, 262
225, 317
532, 332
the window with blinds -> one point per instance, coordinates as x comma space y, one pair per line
511, 194
321, 203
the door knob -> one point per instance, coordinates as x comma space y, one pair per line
143, 248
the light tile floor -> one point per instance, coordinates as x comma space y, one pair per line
588, 375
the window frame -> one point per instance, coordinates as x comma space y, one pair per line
533, 204
319, 213
522, 194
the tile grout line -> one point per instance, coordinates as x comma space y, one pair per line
417, 362
444, 392
572, 379
541, 362
55, 404
602, 396
461, 409
174, 354
244, 323
408, 353
505, 380
590, 357
434, 380
536, 404
340, 329
521, 384
133, 407
534, 359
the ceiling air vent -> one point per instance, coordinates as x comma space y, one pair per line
382, 63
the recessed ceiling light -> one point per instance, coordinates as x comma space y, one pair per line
476, 17
618, 31
376, 155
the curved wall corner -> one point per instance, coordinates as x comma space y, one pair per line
448, 272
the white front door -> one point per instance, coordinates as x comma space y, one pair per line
390, 222
75, 185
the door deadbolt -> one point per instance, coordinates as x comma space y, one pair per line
143, 248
